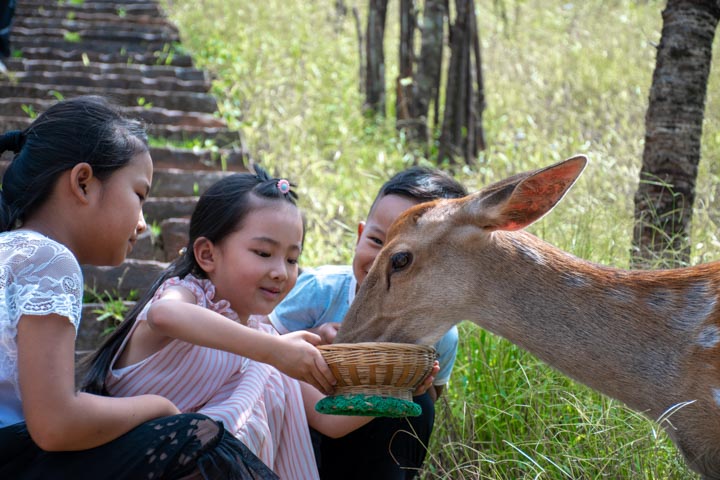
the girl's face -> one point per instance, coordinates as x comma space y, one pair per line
118, 212
255, 267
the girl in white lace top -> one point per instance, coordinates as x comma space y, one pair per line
73, 194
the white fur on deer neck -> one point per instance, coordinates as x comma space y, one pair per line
709, 337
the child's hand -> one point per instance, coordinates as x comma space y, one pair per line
428, 382
327, 332
301, 360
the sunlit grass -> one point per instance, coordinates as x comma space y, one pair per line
508, 416
561, 78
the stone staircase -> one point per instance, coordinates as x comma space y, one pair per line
127, 51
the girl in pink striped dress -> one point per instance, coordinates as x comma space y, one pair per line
194, 340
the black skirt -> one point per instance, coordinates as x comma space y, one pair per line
386, 448
186, 446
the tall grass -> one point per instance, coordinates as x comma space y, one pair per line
561, 78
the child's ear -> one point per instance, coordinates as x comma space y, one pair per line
361, 227
80, 177
204, 251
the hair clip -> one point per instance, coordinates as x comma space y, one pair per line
182, 251
284, 186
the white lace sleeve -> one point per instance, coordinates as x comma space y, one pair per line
38, 276
43, 277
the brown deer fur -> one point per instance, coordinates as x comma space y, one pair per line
650, 339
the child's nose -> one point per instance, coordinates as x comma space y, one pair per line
279, 271
141, 225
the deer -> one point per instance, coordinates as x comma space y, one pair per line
648, 338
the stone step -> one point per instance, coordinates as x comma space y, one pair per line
175, 118
91, 45
72, 23
203, 124
127, 280
170, 100
175, 182
28, 7
144, 264
88, 2
174, 233
81, 78
76, 54
148, 247
170, 157
232, 159
165, 247
19, 107
185, 74
111, 34
179, 133
43, 14
111, 2
157, 209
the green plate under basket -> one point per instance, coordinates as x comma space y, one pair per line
368, 406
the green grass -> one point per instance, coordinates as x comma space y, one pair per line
560, 78
509, 416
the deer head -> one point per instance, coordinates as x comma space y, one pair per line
440, 266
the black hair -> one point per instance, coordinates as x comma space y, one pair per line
220, 211
85, 129
422, 184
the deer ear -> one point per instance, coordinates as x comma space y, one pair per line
518, 201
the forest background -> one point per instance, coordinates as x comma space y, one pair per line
560, 78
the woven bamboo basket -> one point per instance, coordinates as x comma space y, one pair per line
381, 369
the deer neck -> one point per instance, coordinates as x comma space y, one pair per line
624, 333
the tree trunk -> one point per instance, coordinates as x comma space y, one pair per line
405, 117
426, 84
478, 106
673, 132
362, 77
375, 57
462, 134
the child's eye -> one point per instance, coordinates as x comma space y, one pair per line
376, 241
262, 254
292, 261
141, 197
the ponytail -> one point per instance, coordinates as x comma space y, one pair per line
11, 141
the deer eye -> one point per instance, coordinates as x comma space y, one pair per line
400, 260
